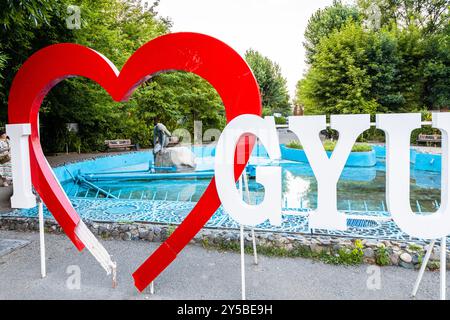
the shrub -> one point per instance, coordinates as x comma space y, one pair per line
280, 120
362, 147
382, 256
294, 145
330, 145
170, 229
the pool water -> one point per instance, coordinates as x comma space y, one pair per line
360, 192
359, 189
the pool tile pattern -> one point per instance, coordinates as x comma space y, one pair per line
174, 212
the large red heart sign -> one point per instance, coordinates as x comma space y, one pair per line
203, 55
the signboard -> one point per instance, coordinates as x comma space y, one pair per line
231, 77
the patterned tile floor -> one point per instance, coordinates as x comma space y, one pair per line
173, 212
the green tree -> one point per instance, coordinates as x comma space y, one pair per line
3, 60
26, 26
324, 21
16, 18
353, 72
436, 70
428, 15
117, 29
402, 66
178, 99
272, 84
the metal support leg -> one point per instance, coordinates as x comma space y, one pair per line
242, 264
255, 253
41, 238
443, 266
423, 268
242, 249
152, 288
114, 277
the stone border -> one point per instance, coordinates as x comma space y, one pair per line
370, 251
92, 156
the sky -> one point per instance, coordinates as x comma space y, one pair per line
273, 27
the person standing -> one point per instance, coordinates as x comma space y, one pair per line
5, 160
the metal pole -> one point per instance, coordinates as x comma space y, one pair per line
242, 264
41, 220
242, 249
114, 277
443, 265
422, 268
41, 238
255, 253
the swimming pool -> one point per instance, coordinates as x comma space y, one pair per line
118, 188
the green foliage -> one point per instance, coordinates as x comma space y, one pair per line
329, 145
274, 92
346, 256
414, 247
362, 147
179, 99
382, 256
431, 15
26, 26
3, 60
117, 29
280, 120
14, 14
352, 70
325, 21
435, 70
294, 145
170, 229
433, 265
402, 66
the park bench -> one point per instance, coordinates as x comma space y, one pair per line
429, 138
120, 144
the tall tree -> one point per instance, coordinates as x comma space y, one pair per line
351, 73
3, 60
272, 84
436, 70
390, 68
178, 99
116, 28
428, 15
324, 21
23, 25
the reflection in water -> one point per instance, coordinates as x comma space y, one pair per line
295, 190
362, 189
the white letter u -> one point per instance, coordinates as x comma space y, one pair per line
398, 129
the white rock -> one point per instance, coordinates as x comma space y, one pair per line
406, 257
180, 157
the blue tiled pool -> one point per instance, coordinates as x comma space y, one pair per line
361, 193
